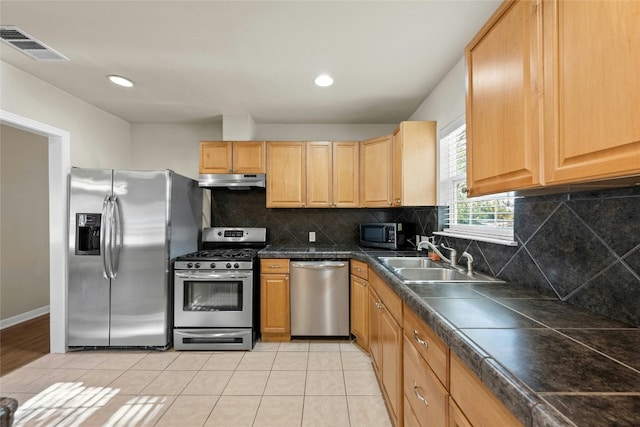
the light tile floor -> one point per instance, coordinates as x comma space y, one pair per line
300, 383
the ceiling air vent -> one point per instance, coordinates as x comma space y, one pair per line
28, 45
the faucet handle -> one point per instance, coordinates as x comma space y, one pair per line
469, 261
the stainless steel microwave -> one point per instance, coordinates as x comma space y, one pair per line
387, 235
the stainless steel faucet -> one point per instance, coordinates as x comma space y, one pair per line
434, 248
453, 254
469, 261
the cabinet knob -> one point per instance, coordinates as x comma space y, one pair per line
398, 201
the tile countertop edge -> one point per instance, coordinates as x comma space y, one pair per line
523, 402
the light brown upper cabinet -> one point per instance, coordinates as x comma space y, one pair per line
376, 165
503, 101
556, 106
414, 164
591, 90
286, 174
232, 157
332, 174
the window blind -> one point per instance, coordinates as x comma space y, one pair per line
489, 216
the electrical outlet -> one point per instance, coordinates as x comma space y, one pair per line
312, 236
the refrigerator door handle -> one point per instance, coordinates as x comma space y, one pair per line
104, 225
115, 241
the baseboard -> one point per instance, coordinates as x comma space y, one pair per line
23, 317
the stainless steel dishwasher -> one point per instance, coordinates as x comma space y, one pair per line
319, 298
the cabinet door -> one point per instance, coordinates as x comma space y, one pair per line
345, 174
375, 172
286, 186
319, 175
374, 330
274, 304
391, 370
359, 311
414, 164
249, 157
591, 93
503, 111
456, 417
216, 157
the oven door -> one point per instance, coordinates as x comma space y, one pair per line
212, 299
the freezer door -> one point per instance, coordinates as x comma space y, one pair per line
88, 289
140, 290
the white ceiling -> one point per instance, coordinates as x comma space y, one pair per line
193, 61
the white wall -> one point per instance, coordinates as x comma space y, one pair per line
98, 139
24, 222
170, 146
445, 104
447, 101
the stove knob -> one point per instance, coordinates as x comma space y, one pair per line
228, 265
212, 265
219, 233
197, 265
236, 265
189, 265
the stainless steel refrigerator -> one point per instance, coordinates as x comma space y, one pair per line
125, 228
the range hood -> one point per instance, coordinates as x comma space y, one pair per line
232, 181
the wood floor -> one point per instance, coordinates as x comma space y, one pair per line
23, 343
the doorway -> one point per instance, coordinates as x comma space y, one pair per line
59, 166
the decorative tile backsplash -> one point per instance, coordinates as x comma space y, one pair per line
583, 248
292, 226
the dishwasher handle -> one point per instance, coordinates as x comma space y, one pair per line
319, 264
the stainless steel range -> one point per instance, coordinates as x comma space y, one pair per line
216, 291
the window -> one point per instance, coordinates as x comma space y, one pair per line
488, 218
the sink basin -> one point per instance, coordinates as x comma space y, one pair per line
423, 270
432, 275
408, 262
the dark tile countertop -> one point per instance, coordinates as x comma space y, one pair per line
550, 363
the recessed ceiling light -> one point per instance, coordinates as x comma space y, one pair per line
120, 81
323, 80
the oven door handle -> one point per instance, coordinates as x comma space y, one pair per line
202, 275
212, 334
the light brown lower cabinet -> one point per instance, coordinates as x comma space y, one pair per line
478, 404
359, 311
385, 345
410, 418
456, 417
359, 302
275, 315
422, 389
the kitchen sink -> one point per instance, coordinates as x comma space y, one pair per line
408, 262
423, 270
411, 275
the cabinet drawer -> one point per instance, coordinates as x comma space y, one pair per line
477, 402
427, 397
274, 265
391, 301
360, 269
434, 351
